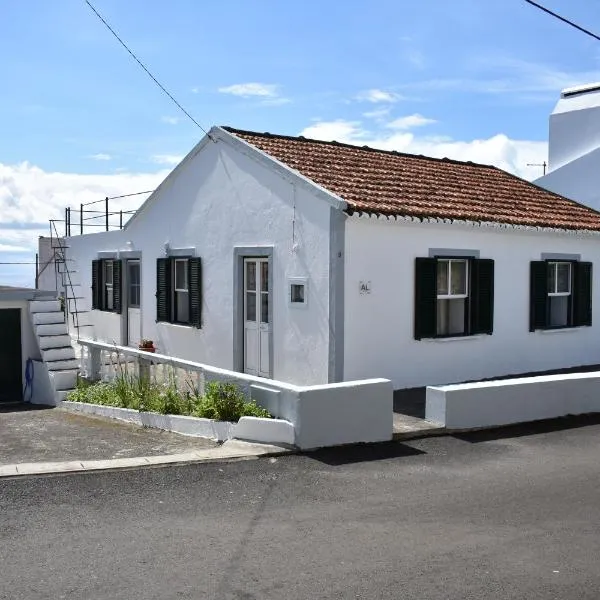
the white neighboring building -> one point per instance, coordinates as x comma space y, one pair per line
310, 262
574, 146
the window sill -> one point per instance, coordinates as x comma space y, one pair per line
177, 325
561, 329
458, 338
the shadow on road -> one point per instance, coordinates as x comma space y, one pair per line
359, 453
12, 407
531, 428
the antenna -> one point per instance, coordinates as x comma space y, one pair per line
544, 164
557, 16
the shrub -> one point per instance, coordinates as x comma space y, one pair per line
222, 401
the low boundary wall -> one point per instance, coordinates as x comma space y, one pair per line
502, 402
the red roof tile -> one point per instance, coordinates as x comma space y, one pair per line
392, 183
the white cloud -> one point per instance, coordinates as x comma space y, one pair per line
410, 122
170, 120
249, 90
101, 156
375, 96
377, 114
30, 196
499, 150
167, 159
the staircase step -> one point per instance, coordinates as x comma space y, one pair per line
61, 395
63, 365
53, 354
54, 341
64, 380
48, 317
44, 306
51, 329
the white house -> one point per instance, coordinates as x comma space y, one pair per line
574, 146
313, 262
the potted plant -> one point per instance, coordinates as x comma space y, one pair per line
147, 346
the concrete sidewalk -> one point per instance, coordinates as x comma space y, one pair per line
51, 440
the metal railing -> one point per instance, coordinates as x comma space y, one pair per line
104, 219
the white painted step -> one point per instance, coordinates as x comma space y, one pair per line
51, 329
45, 318
54, 341
62, 365
64, 380
61, 395
43, 306
58, 354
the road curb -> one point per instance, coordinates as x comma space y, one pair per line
234, 452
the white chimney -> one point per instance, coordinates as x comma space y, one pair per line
574, 125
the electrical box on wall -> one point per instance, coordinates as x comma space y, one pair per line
298, 291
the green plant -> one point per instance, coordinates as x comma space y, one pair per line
222, 401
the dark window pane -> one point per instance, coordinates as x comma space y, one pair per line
559, 311
442, 277
297, 293
181, 274
451, 316
110, 302
250, 306
552, 278
458, 277
264, 276
251, 276
182, 307
264, 307
563, 278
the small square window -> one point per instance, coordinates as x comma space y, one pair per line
298, 292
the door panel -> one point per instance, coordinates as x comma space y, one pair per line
257, 328
11, 378
134, 298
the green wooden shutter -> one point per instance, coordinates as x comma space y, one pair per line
195, 291
582, 294
425, 298
96, 284
117, 279
163, 289
538, 300
482, 296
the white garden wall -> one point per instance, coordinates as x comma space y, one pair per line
488, 404
220, 198
378, 332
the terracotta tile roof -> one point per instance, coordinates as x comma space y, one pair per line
393, 183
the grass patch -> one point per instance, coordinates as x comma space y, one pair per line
222, 401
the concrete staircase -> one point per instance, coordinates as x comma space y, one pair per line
54, 341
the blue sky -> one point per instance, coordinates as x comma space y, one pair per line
79, 120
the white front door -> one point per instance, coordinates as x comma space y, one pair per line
257, 328
134, 296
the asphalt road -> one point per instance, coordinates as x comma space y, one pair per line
449, 517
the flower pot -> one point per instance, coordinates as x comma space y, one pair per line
150, 349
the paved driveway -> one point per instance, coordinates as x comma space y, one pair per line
53, 434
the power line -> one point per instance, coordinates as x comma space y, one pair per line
563, 19
139, 62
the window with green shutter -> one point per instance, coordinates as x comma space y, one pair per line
179, 290
454, 296
106, 285
560, 294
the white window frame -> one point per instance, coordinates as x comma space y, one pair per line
176, 290
554, 264
450, 295
303, 281
105, 264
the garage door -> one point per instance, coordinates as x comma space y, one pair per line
10, 355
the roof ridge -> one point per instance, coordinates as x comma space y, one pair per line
301, 138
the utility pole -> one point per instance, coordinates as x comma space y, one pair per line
544, 164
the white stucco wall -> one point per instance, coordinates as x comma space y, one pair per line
48, 278
378, 333
221, 198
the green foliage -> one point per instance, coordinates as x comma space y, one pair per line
222, 401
